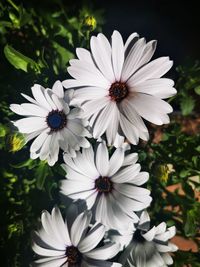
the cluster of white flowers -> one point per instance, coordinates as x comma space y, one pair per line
114, 88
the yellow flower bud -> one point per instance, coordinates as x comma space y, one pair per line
16, 142
90, 22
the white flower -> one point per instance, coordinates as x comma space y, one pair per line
50, 120
60, 245
117, 85
146, 247
110, 187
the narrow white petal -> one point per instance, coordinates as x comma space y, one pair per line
44, 152
92, 239
38, 93
31, 124
161, 88
58, 89
79, 226
116, 161
129, 130
60, 226
47, 252
88, 75
101, 51
151, 108
149, 236
167, 258
130, 159
103, 253
94, 106
84, 55
154, 69
131, 63
103, 120
127, 174
102, 161
38, 142
117, 54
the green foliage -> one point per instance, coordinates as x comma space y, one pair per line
189, 88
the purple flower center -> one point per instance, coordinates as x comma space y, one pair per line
73, 256
103, 184
118, 91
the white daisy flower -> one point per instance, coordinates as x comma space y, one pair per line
75, 246
50, 120
110, 187
146, 247
117, 85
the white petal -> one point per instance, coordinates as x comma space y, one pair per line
79, 226
58, 89
112, 128
103, 253
88, 93
140, 179
154, 69
47, 252
84, 55
132, 59
44, 152
73, 186
151, 108
77, 128
116, 161
132, 39
128, 108
149, 236
127, 174
148, 52
161, 88
94, 106
101, 52
92, 239
38, 93
167, 258
29, 110
103, 120
39, 141
51, 262
117, 54
129, 130
31, 124
144, 218
88, 75
130, 159
102, 161
60, 227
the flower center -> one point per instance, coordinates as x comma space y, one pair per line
118, 91
138, 236
56, 120
103, 184
73, 255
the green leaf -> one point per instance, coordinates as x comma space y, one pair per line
41, 173
64, 55
190, 225
197, 90
19, 61
187, 105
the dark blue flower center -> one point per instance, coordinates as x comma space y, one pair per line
103, 184
56, 120
73, 256
118, 91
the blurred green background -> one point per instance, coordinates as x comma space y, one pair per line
37, 39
